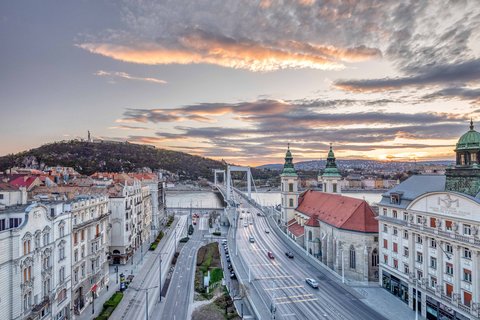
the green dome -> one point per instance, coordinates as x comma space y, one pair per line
470, 140
288, 167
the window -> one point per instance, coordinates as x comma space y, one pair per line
419, 274
62, 295
395, 231
448, 248
61, 252
353, 262
26, 247
384, 211
448, 225
3, 225
46, 238
75, 238
290, 187
27, 301
291, 202
83, 270
385, 228
37, 240
433, 243
61, 230
467, 275
419, 219
46, 262
374, 258
449, 269
385, 243
82, 254
75, 255
419, 257
75, 275
433, 282
395, 215
82, 233
448, 289
405, 251
395, 263
406, 269
467, 298
334, 188
405, 216
385, 259
433, 263
27, 274
15, 222
433, 222
395, 247
419, 239
61, 274
46, 287
467, 229
394, 198
405, 234
97, 230
467, 253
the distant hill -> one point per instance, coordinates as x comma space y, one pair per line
315, 165
89, 157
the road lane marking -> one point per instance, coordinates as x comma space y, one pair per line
297, 296
273, 277
295, 301
288, 287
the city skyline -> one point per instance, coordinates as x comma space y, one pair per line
238, 81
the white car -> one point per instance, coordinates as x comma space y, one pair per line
312, 283
245, 224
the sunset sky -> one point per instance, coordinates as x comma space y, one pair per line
238, 79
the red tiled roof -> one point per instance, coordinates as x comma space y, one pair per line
339, 211
292, 221
313, 222
24, 181
296, 229
5, 186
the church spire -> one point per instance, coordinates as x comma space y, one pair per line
471, 124
288, 168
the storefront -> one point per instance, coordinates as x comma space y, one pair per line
439, 311
396, 286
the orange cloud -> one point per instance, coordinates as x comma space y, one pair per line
199, 47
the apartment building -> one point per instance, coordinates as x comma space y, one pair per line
430, 241
90, 248
35, 262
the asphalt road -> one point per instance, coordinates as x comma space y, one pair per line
134, 302
280, 282
179, 296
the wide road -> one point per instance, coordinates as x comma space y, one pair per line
134, 302
281, 281
180, 291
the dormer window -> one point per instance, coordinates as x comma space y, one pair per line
394, 198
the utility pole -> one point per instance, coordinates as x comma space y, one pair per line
416, 299
160, 277
146, 304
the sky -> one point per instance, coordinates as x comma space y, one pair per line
238, 80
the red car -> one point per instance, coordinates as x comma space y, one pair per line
270, 255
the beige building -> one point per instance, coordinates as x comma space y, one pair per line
90, 248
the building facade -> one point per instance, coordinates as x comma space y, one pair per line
341, 232
90, 248
35, 262
430, 240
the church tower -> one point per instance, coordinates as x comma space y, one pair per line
330, 179
289, 191
464, 177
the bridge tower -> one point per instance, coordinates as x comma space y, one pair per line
289, 191
231, 169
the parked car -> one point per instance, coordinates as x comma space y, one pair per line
258, 214
312, 283
233, 275
267, 231
230, 267
228, 259
289, 254
251, 239
245, 224
270, 255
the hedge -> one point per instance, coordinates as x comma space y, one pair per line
110, 305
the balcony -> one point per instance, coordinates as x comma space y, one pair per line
27, 284
451, 235
47, 271
446, 298
464, 307
91, 221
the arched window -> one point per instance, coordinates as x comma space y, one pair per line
352, 257
26, 247
375, 258
61, 229
310, 235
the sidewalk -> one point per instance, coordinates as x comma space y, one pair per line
114, 282
385, 303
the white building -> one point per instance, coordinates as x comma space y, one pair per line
35, 262
129, 218
90, 249
11, 195
430, 241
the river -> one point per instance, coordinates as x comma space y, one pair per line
208, 199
